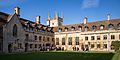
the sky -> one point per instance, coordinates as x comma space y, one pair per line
74, 11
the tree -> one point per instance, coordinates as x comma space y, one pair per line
116, 45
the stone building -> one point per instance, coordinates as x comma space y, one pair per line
21, 35
56, 21
87, 36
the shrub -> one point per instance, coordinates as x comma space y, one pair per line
116, 45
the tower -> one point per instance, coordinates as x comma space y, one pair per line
56, 21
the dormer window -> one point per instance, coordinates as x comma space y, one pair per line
52, 23
72, 28
86, 28
44, 28
24, 27
48, 28
60, 29
80, 28
94, 27
31, 29
27, 24
66, 29
37, 28
101, 27
118, 25
110, 26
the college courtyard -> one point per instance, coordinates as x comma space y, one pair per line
59, 37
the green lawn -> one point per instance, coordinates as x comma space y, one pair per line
116, 55
58, 56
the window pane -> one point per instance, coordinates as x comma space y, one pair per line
105, 37
35, 37
105, 46
70, 41
112, 36
40, 38
98, 37
92, 45
86, 38
92, 38
98, 45
63, 41
57, 41
15, 30
77, 40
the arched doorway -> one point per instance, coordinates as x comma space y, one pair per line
10, 48
86, 48
26, 47
82, 47
48, 46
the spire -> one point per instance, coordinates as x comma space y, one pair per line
56, 15
49, 15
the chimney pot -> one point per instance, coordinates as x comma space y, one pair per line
85, 20
38, 19
109, 16
17, 10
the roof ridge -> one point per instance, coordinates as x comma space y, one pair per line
92, 22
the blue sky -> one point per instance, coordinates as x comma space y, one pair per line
74, 10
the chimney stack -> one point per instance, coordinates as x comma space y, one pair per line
38, 19
85, 20
109, 16
17, 10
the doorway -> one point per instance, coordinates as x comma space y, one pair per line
26, 47
10, 48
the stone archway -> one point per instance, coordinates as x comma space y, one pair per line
82, 47
9, 48
26, 47
48, 46
86, 48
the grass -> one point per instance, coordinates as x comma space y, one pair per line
116, 55
57, 56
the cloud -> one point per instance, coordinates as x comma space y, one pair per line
90, 3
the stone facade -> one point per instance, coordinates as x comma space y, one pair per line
88, 36
9, 41
54, 22
22, 35
91, 42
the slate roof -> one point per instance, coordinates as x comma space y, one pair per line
90, 25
